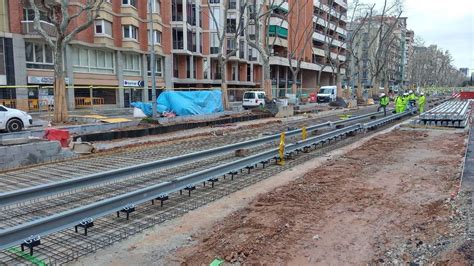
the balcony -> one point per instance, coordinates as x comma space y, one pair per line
29, 28
177, 17
277, 21
178, 44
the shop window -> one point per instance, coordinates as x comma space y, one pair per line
2, 57
93, 61
38, 55
132, 64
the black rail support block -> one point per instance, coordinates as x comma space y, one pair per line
189, 189
248, 168
232, 174
84, 225
213, 180
264, 163
30, 243
127, 211
161, 198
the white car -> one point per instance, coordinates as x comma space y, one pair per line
13, 120
253, 99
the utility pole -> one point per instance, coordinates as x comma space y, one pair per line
153, 61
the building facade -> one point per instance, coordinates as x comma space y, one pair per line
108, 63
326, 21
386, 61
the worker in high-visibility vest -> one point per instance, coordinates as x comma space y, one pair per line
384, 101
406, 99
399, 103
421, 102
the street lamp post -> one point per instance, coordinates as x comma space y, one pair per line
153, 61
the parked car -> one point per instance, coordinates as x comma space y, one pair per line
13, 120
327, 94
253, 99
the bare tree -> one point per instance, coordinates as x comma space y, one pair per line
355, 42
223, 30
300, 38
382, 43
61, 14
260, 12
432, 66
334, 52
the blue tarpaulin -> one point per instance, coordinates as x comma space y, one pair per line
186, 103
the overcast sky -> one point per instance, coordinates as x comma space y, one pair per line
449, 24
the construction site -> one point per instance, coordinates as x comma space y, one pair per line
336, 186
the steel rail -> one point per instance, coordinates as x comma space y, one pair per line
53, 188
19, 234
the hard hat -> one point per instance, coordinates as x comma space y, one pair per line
382, 94
405, 94
411, 91
422, 93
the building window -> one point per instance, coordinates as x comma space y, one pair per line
156, 36
155, 6
132, 64
214, 43
93, 61
29, 15
2, 58
230, 45
159, 66
217, 15
103, 27
38, 55
130, 32
129, 3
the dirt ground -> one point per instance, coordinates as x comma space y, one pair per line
391, 200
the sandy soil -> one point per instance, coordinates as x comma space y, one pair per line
395, 191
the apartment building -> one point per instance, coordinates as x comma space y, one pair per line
112, 53
392, 58
196, 25
326, 20
108, 63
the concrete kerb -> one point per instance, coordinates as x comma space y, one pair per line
79, 129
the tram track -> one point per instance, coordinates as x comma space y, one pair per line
66, 245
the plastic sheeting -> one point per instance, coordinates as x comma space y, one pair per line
145, 107
186, 103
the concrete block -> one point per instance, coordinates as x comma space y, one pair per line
285, 111
31, 153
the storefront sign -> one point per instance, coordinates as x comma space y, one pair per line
43, 80
133, 83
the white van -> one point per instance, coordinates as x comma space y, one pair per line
327, 94
13, 120
253, 99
